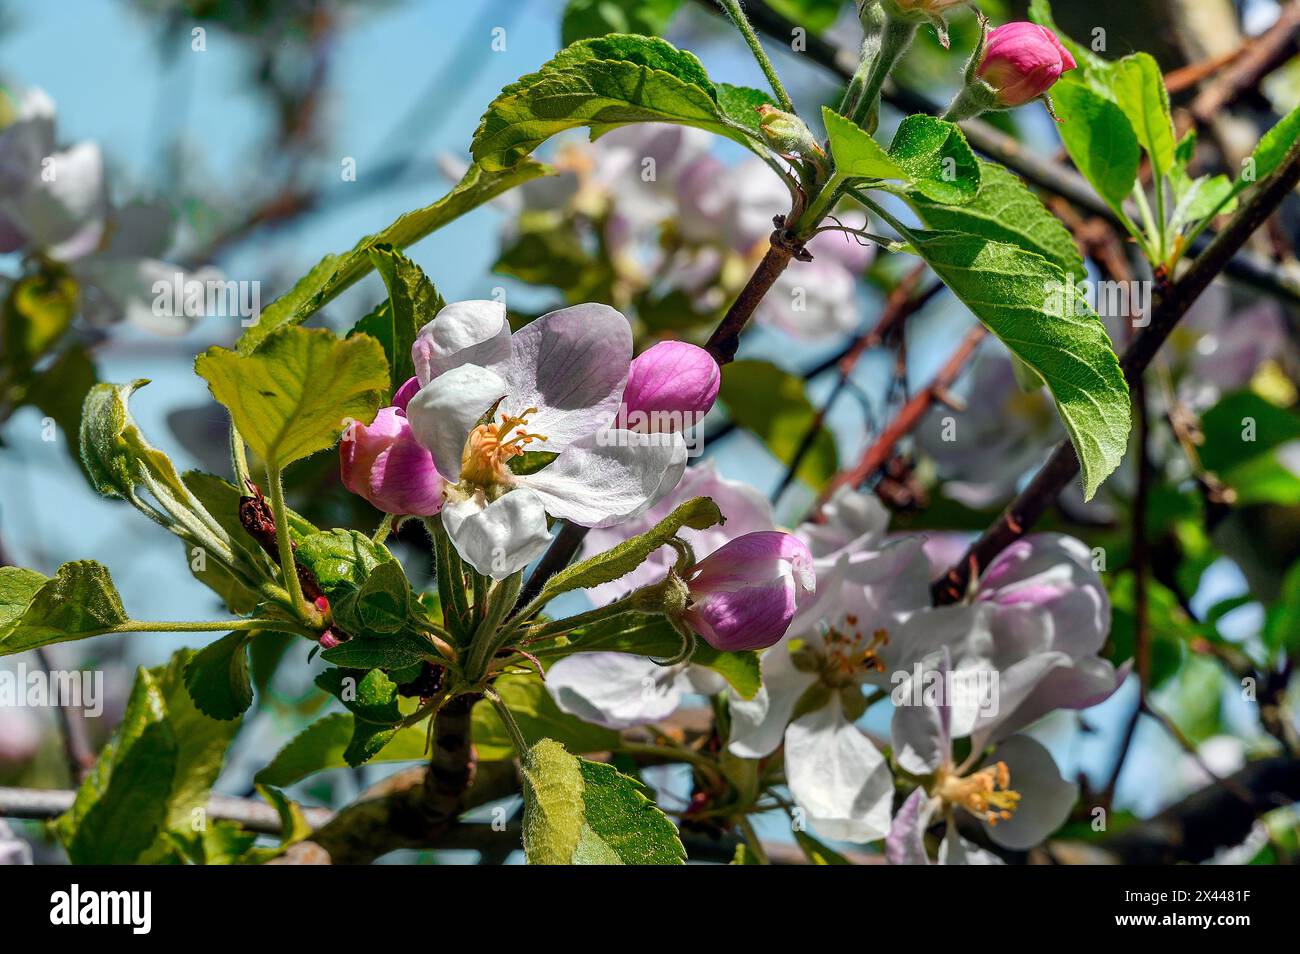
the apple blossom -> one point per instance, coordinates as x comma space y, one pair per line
812, 679
383, 462
1018, 795
1022, 61
670, 387
614, 689
55, 202
745, 595
488, 397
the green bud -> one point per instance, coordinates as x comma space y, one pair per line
787, 133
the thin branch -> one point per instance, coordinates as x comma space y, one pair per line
908, 417
254, 815
724, 341
901, 304
736, 14
1260, 58
1193, 829
1174, 302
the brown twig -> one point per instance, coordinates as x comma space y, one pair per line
783, 247
908, 417
902, 303
1260, 58
1173, 303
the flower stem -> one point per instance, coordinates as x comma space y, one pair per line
737, 15
384, 529
508, 720
288, 566
487, 640
202, 626
556, 627
894, 41
751, 838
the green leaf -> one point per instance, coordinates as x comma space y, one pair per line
128, 815
384, 600
601, 83
114, 452
538, 717
322, 746
814, 16
1039, 315
1100, 140
1006, 211
1139, 89
816, 852
38, 310
79, 601
201, 743
370, 696
594, 18
856, 154
217, 677
1282, 619
294, 396
1243, 426
581, 812
397, 651
153, 777
937, 159
412, 303
771, 404
654, 636
740, 104
1273, 148
697, 513
333, 274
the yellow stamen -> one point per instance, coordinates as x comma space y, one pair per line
490, 447
986, 793
848, 652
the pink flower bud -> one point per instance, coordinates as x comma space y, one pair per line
744, 594
328, 640
670, 387
1022, 61
383, 463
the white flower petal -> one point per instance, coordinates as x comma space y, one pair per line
571, 365
758, 724
463, 332
616, 690
445, 410
921, 742
63, 213
837, 777
956, 850
497, 538
1045, 797
603, 478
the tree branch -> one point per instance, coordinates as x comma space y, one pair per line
1193, 829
